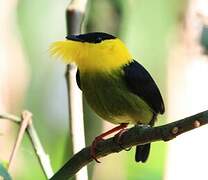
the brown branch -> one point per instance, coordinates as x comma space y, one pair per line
134, 136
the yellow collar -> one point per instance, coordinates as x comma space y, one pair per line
105, 56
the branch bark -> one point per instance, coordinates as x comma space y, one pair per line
134, 136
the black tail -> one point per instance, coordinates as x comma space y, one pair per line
142, 152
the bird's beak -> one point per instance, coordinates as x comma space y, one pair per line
73, 37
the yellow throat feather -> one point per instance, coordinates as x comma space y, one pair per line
104, 56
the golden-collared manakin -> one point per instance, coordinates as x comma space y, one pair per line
117, 88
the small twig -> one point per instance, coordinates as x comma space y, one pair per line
26, 120
10, 117
42, 156
134, 136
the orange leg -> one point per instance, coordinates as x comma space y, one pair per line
100, 138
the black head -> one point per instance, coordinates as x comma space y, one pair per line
94, 37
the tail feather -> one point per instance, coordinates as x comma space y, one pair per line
142, 153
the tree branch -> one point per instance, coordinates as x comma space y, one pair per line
134, 136
39, 150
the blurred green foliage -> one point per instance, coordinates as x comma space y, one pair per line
204, 38
144, 25
3, 173
41, 23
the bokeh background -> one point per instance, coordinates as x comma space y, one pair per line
165, 36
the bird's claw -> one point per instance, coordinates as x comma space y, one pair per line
93, 148
119, 137
100, 138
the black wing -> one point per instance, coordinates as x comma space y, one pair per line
78, 79
141, 83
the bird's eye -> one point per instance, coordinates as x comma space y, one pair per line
98, 40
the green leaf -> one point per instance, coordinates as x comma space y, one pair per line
4, 173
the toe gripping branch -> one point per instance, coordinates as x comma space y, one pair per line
120, 128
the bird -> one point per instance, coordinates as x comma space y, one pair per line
116, 86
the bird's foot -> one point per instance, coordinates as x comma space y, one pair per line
119, 137
100, 138
93, 147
